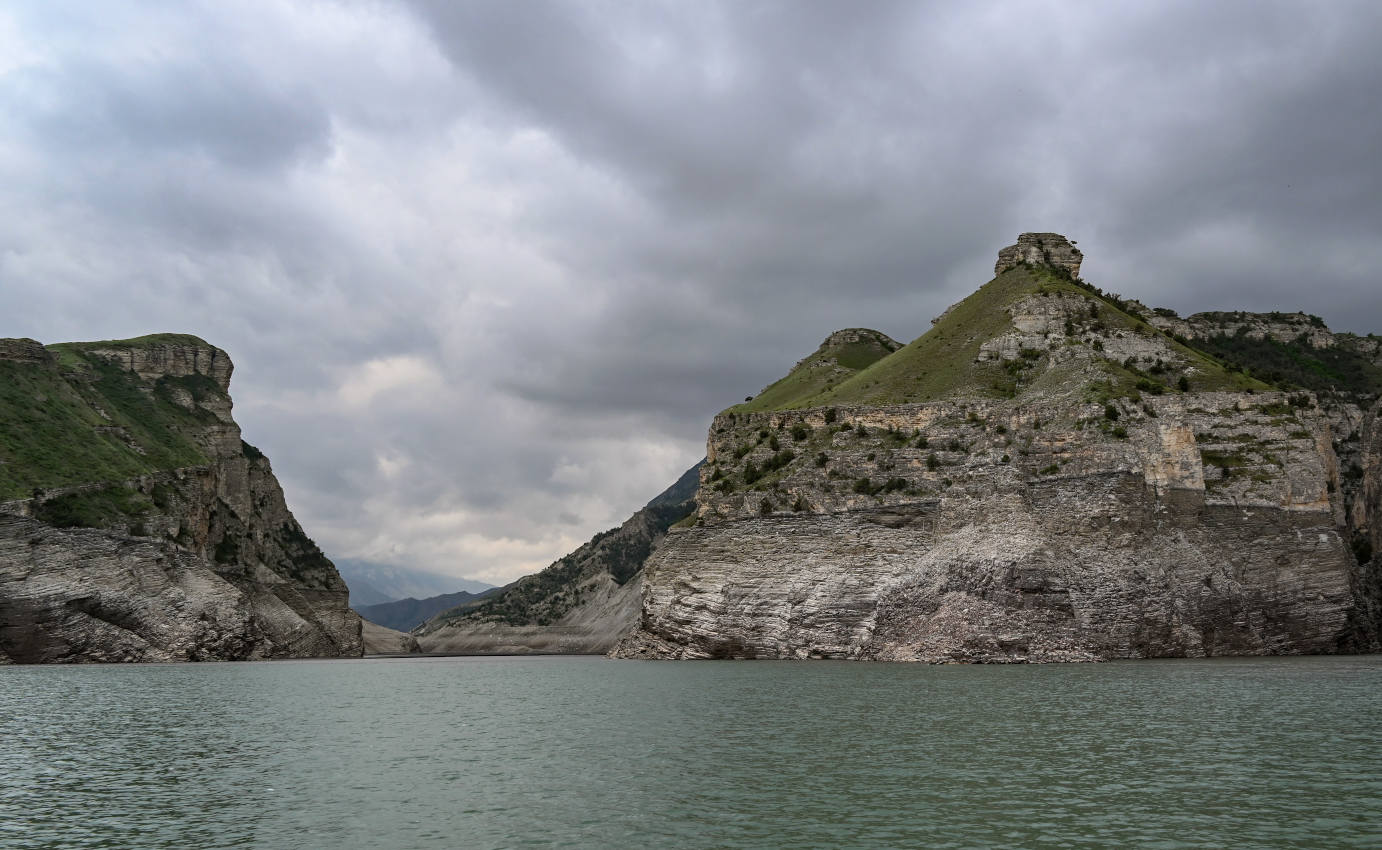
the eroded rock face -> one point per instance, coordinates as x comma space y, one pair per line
999, 532
23, 351
605, 613
379, 640
211, 566
1041, 249
1281, 327
155, 360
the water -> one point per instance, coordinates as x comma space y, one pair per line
584, 752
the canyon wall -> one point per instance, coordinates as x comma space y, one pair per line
179, 546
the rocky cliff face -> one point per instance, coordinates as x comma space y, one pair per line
138, 526
1078, 486
381, 640
1041, 249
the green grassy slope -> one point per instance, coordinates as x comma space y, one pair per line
835, 361
52, 433
1297, 364
942, 363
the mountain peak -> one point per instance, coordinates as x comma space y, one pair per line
852, 336
1040, 249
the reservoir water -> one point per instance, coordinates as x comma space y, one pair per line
586, 752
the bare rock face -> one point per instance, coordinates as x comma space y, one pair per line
1041, 249
1015, 533
23, 351
183, 563
607, 610
1281, 327
380, 640
155, 360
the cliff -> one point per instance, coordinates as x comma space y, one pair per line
582, 604
1043, 476
136, 525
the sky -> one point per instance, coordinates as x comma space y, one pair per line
488, 269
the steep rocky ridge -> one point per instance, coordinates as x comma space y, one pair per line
137, 525
1043, 476
582, 604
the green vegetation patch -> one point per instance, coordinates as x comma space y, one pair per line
1296, 364
115, 506
943, 363
133, 342
53, 433
828, 366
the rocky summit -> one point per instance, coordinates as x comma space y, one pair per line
1050, 473
137, 525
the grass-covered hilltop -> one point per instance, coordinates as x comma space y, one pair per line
136, 524
72, 414
1031, 330
1050, 472
1037, 328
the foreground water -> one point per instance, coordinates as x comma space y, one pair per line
584, 752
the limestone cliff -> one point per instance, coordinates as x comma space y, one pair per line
1043, 476
136, 525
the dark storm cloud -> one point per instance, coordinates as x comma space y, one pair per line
487, 269
221, 113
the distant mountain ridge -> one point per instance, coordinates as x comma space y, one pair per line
375, 583
580, 604
404, 615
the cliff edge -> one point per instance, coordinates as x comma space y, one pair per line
137, 525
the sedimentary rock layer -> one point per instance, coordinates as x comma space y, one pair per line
1044, 476
1017, 543
197, 562
605, 612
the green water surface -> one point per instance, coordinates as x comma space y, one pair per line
585, 752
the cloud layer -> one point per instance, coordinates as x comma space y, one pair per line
487, 269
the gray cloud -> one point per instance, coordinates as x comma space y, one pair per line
487, 269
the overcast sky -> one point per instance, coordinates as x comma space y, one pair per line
487, 269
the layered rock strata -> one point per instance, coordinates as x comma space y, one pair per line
1025, 536
1123, 496
195, 562
381, 640
1041, 249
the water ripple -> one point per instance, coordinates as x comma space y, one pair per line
581, 752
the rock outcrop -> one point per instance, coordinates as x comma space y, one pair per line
1077, 486
381, 640
138, 526
1041, 249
